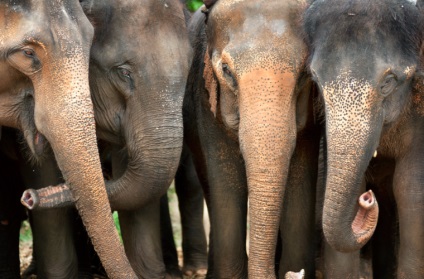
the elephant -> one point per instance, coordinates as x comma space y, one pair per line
365, 59
44, 92
137, 88
249, 122
190, 204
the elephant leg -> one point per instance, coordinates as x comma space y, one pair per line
409, 194
298, 219
190, 201
53, 234
142, 241
385, 237
11, 211
169, 251
9, 248
342, 265
54, 244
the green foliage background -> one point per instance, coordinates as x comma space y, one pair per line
193, 5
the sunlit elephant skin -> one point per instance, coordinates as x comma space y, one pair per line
44, 49
246, 112
137, 88
372, 97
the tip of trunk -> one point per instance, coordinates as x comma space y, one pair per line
354, 237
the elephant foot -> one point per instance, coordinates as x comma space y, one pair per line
193, 273
173, 273
30, 272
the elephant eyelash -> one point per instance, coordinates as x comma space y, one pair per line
229, 76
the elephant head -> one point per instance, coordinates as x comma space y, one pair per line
44, 48
254, 60
137, 87
364, 56
138, 74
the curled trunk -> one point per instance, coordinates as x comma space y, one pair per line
154, 136
349, 217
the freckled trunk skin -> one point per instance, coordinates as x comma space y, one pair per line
154, 138
350, 146
267, 140
65, 117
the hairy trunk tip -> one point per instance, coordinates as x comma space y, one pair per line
295, 275
30, 199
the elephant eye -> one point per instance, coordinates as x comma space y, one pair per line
28, 52
229, 75
388, 85
125, 72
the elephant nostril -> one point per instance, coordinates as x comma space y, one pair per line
28, 199
366, 200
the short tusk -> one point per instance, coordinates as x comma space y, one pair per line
375, 154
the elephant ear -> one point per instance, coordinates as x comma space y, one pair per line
210, 82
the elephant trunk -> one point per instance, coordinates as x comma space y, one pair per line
153, 157
267, 138
66, 119
349, 217
154, 138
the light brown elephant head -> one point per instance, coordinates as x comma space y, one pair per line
44, 48
253, 63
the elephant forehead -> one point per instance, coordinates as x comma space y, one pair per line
280, 54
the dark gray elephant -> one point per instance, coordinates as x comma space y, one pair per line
190, 204
44, 91
249, 124
137, 89
365, 57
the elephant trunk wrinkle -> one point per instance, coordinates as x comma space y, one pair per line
48, 197
348, 226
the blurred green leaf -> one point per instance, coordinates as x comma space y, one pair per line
193, 5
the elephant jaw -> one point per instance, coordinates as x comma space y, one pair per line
365, 222
36, 141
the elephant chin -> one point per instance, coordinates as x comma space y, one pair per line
365, 222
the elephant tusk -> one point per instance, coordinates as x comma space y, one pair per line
375, 154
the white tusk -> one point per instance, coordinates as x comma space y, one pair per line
375, 154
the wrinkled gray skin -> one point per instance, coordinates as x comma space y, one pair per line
44, 48
137, 88
366, 73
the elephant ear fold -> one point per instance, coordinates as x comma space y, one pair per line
418, 91
210, 82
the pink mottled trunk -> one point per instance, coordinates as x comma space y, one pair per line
267, 138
